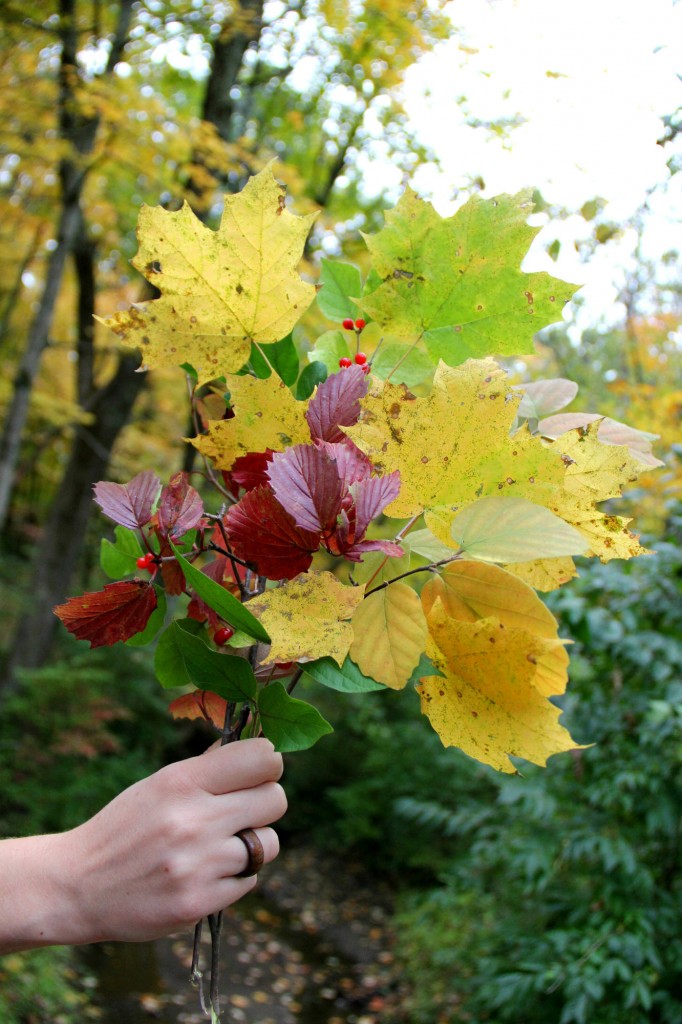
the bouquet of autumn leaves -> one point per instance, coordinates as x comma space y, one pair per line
383, 517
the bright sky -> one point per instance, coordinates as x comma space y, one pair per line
591, 123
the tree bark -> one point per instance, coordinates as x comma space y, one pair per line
64, 533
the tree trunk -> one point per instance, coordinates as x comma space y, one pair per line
64, 532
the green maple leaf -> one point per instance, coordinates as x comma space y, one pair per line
454, 283
221, 290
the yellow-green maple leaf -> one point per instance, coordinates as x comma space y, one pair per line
307, 618
470, 591
455, 282
485, 701
266, 416
221, 290
389, 635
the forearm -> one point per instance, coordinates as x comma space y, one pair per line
38, 904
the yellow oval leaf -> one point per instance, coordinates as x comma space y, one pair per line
389, 635
485, 701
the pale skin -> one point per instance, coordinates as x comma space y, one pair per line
158, 858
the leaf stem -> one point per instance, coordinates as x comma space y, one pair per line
398, 537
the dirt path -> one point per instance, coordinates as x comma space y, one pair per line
312, 946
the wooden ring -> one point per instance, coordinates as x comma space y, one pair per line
254, 848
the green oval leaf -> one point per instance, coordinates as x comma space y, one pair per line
329, 348
221, 601
181, 659
289, 723
346, 679
514, 530
339, 282
118, 559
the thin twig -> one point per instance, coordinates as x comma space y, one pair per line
410, 572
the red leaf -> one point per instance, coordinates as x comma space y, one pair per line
336, 403
249, 471
116, 613
172, 575
262, 533
371, 497
129, 504
200, 704
352, 465
180, 508
307, 484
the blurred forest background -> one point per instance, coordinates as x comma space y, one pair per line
553, 896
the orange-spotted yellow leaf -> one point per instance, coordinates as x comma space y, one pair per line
389, 635
266, 415
485, 701
220, 290
470, 591
307, 618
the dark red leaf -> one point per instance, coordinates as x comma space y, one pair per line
116, 613
180, 507
130, 504
200, 704
172, 575
306, 483
336, 403
371, 497
249, 471
262, 533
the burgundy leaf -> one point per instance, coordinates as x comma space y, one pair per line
116, 613
180, 507
336, 403
130, 504
306, 483
262, 533
200, 704
371, 497
249, 471
389, 547
172, 575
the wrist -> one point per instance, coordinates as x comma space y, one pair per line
39, 903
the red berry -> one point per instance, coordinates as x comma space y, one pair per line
360, 358
284, 666
348, 324
344, 362
359, 324
365, 368
222, 635
145, 561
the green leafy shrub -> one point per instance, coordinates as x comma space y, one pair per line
44, 986
564, 902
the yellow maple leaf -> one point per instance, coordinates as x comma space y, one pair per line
389, 635
470, 591
486, 702
454, 445
221, 290
266, 416
307, 618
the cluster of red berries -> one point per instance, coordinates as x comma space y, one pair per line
223, 635
147, 562
350, 325
360, 359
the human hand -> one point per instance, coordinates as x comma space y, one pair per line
163, 854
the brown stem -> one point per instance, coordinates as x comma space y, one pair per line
410, 572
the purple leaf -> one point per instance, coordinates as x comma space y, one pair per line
262, 533
371, 497
306, 483
336, 403
180, 508
130, 504
352, 465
